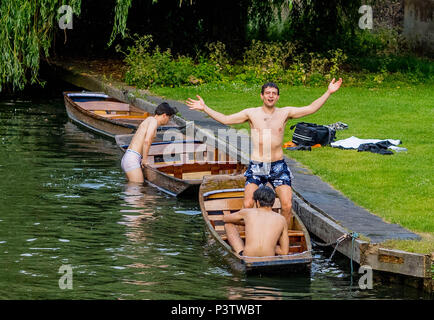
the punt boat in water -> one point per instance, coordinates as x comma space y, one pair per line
224, 194
103, 114
177, 167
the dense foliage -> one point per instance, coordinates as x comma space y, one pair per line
319, 24
26, 31
283, 62
294, 41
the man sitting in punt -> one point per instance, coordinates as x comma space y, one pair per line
266, 231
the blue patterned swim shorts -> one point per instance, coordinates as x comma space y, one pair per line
277, 173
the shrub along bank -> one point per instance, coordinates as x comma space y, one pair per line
382, 61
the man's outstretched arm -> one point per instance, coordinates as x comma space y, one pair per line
235, 218
294, 112
200, 105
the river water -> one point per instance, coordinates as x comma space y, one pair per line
65, 202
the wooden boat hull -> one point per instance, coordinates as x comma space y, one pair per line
224, 192
180, 174
102, 114
171, 185
94, 122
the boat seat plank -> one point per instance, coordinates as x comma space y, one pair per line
104, 105
293, 249
176, 148
232, 194
220, 228
230, 204
292, 233
195, 175
126, 116
224, 204
214, 168
216, 217
194, 167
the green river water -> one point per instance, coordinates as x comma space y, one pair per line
65, 201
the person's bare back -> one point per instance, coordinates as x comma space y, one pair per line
264, 229
266, 232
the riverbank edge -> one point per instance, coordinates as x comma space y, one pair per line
415, 268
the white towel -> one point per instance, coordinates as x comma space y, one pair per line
354, 142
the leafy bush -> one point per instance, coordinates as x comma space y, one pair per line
296, 74
152, 67
281, 62
218, 55
380, 42
386, 51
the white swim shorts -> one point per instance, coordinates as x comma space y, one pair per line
131, 160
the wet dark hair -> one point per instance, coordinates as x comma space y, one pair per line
269, 85
265, 195
165, 108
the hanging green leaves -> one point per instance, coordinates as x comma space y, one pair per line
27, 31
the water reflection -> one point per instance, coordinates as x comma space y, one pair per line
140, 201
273, 288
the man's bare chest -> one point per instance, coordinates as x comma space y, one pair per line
275, 122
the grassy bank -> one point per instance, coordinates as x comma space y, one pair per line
397, 188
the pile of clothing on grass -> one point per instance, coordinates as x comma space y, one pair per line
372, 145
307, 136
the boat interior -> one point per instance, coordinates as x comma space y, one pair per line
113, 110
109, 107
191, 160
222, 202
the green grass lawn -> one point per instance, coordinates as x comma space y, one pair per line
398, 188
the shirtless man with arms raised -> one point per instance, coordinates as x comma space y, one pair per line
266, 231
136, 155
267, 124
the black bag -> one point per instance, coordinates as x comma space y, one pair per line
309, 134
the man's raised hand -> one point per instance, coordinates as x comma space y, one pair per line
196, 104
334, 86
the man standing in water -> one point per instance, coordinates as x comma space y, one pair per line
267, 124
137, 153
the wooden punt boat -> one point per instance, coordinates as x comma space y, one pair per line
178, 167
224, 194
103, 114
